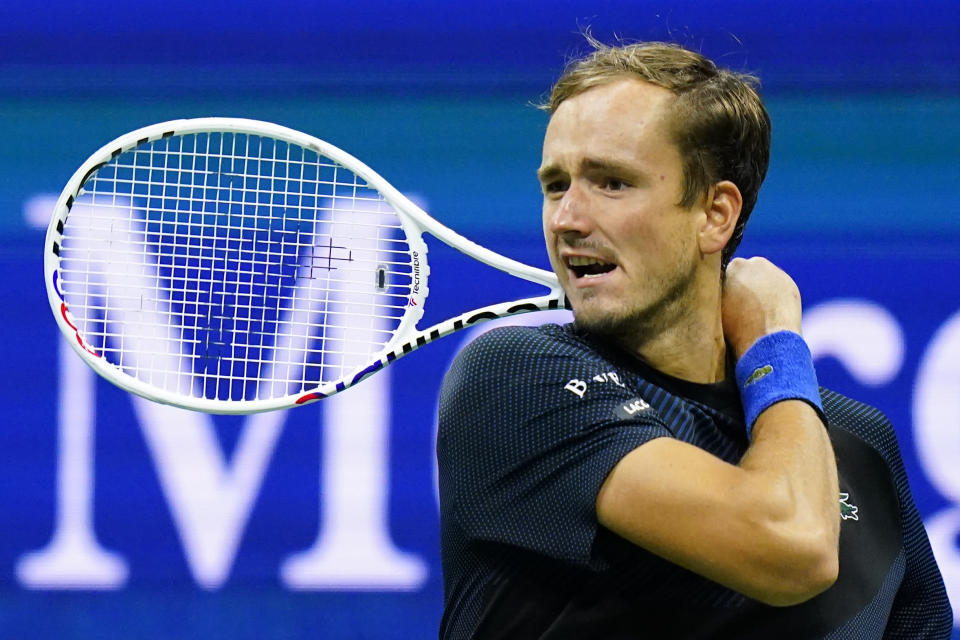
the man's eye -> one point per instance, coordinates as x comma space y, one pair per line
556, 186
615, 184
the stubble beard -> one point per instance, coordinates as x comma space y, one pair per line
632, 326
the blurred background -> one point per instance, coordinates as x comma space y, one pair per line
123, 519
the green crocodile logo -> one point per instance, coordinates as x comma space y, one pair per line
759, 373
848, 511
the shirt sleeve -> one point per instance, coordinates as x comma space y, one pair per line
529, 429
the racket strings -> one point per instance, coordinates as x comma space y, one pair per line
232, 266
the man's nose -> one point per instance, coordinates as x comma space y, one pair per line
572, 213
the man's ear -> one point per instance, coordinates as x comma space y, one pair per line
722, 210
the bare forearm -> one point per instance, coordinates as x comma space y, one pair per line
789, 469
793, 471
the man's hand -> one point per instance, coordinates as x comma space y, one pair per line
758, 299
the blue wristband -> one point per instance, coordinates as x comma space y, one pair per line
777, 367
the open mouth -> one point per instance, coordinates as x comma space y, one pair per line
583, 267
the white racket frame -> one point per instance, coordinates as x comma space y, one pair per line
414, 220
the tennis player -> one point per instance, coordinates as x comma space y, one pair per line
667, 466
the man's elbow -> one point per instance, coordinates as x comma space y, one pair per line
807, 576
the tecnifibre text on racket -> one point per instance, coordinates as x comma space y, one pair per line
233, 266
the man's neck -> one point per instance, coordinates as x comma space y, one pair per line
687, 342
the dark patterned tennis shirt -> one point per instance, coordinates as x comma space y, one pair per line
531, 422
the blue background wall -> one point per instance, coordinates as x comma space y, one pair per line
858, 206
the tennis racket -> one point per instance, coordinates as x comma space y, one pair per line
235, 266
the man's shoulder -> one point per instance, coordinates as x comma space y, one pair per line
523, 366
518, 344
864, 421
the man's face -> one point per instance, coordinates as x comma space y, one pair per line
622, 247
